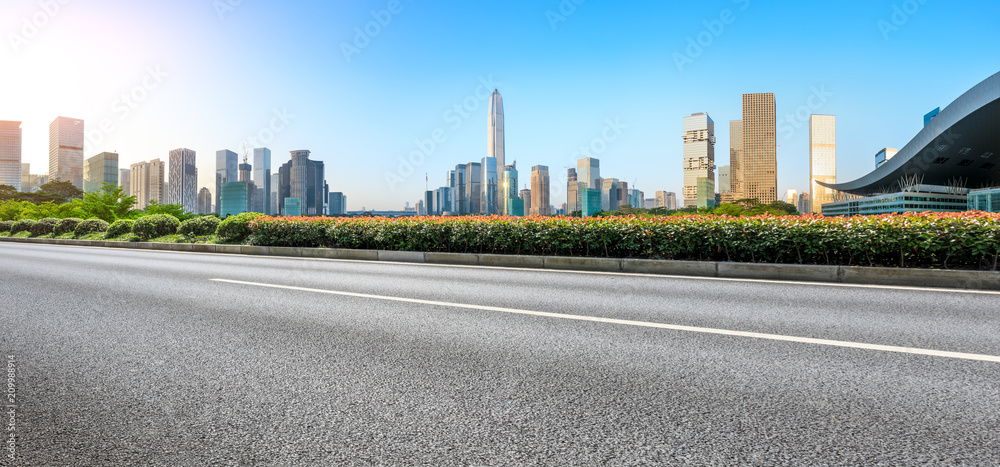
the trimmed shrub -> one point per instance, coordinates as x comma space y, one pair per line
926, 240
199, 226
66, 226
23, 225
235, 229
91, 226
5, 226
44, 227
118, 228
157, 225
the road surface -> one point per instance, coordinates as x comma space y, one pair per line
129, 357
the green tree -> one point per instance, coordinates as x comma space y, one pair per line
64, 190
727, 209
7, 192
11, 209
109, 204
56, 210
176, 210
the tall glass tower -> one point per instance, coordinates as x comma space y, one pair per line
494, 139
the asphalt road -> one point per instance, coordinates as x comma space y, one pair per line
145, 358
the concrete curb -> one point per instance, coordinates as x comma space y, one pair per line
936, 278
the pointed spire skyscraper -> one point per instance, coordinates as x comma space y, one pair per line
493, 163
495, 129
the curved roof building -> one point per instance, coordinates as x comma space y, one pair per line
960, 147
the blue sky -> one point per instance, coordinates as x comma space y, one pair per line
215, 74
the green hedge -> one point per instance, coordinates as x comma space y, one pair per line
91, 226
966, 240
235, 229
23, 225
118, 228
66, 226
156, 225
199, 226
44, 226
5, 226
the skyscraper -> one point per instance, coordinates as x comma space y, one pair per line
225, 172
699, 159
724, 179
513, 204
758, 164
66, 151
262, 180
302, 178
490, 188
183, 185
525, 196
25, 176
100, 169
792, 196
338, 204
822, 159
494, 136
588, 172
459, 188
10, 154
124, 179
204, 201
572, 192
735, 159
610, 195
540, 190
147, 182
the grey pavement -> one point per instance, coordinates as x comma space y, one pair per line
128, 357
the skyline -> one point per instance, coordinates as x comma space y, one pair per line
566, 79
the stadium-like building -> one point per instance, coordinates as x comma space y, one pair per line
953, 164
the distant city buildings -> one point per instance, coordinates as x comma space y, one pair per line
148, 182
183, 184
540, 204
262, 181
735, 159
758, 177
667, 199
822, 159
10, 154
100, 169
572, 192
66, 151
204, 201
805, 203
884, 155
513, 205
226, 171
303, 179
699, 161
338, 204
724, 183
124, 180
491, 188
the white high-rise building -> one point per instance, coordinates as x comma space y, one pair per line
183, 184
10, 154
66, 151
699, 160
494, 151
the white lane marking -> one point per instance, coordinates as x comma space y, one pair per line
561, 271
673, 327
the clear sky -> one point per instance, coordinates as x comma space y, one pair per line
215, 74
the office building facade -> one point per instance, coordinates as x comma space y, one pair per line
98, 170
183, 183
540, 204
226, 171
66, 151
699, 159
758, 163
148, 182
262, 181
735, 158
302, 178
822, 159
10, 154
205, 201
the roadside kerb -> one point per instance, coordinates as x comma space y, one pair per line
935, 278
